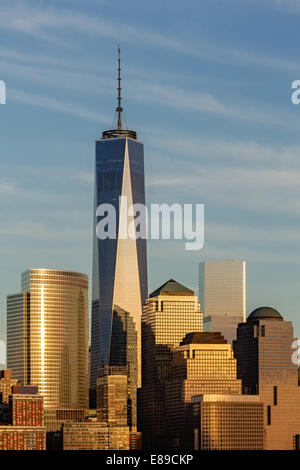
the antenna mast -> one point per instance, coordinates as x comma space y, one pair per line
119, 108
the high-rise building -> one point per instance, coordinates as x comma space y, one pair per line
264, 363
228, 422
202, 364
222, 295
47, 335
169, 314
119, 260
112, 396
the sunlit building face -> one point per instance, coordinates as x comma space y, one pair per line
203, 364
169, 314
53, 352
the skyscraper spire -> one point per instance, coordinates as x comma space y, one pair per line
119, 131
119, 108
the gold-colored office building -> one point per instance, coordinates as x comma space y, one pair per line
47, 336
228, 422
169, 314
94, 435
112, 396
202, 364
264, 350
54, 418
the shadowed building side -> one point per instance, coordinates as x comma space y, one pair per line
264, 363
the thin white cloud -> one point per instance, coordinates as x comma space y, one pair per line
47, 22
141, 90
247, 153
261, 191
178, 98
7, 188
287, 5
56, 105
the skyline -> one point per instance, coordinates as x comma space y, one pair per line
202, 105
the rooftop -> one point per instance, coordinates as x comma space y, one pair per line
203, 338
267, 313
172, 287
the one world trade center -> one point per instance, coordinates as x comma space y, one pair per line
119, 262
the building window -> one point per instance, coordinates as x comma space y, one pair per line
269, 415
275, 395
262, 332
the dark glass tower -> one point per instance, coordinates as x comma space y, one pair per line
120, 263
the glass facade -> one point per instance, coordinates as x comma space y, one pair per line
54, 353
119, 266
222, 295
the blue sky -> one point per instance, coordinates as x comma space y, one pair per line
207, 85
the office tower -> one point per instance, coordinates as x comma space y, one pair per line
169, 314
222, 295
264, 363
112, 394
119, 260
6, 382
24, 428
94, 435
228, 422
202, 364
47, 335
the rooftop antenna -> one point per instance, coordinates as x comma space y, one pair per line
119, 108
119, 132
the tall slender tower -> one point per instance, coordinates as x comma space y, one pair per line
119, 262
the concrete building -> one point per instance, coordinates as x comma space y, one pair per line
112, 396
169, 314
22, 438
202, 364
26, 406
22, 423
228, 422
222, 295
94, 435
6, 382
54, 419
